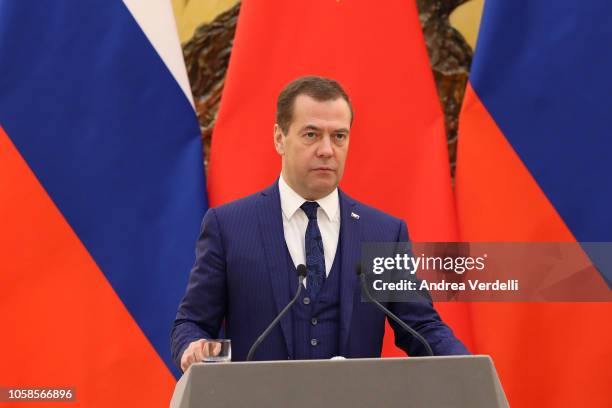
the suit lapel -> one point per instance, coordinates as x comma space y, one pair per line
271, 227
350, 236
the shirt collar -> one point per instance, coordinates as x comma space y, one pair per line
291, 201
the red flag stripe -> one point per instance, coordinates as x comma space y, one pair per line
61, 318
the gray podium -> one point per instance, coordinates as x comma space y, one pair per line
447, 381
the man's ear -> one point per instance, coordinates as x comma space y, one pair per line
279, 140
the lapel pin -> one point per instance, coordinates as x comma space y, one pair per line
355, 216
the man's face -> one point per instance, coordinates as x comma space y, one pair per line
314, 149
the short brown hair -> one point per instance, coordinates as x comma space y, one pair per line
319, 88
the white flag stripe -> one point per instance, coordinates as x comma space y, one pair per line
156, 19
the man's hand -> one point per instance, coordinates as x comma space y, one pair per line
199, 350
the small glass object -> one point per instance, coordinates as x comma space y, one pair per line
217, 350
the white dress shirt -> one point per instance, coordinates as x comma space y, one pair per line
295, 222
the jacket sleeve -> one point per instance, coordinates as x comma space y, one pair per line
422, 317
202, 309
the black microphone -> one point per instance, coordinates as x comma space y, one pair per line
386, 311
302, 271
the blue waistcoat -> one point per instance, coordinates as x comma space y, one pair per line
316, 323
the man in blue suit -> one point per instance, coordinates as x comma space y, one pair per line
248, 250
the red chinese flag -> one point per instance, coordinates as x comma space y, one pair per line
398, 160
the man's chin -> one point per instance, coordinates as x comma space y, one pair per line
320, 190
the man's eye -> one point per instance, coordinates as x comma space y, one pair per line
310, 135
341, 136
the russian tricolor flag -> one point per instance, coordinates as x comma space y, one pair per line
534, 156
101, 195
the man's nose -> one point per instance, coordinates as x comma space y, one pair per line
325, 148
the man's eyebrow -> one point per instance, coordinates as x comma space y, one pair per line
318, 129
310, 127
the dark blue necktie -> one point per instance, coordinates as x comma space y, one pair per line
315, 260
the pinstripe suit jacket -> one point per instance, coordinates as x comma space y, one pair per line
240, 278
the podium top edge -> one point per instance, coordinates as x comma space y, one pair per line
380, 360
